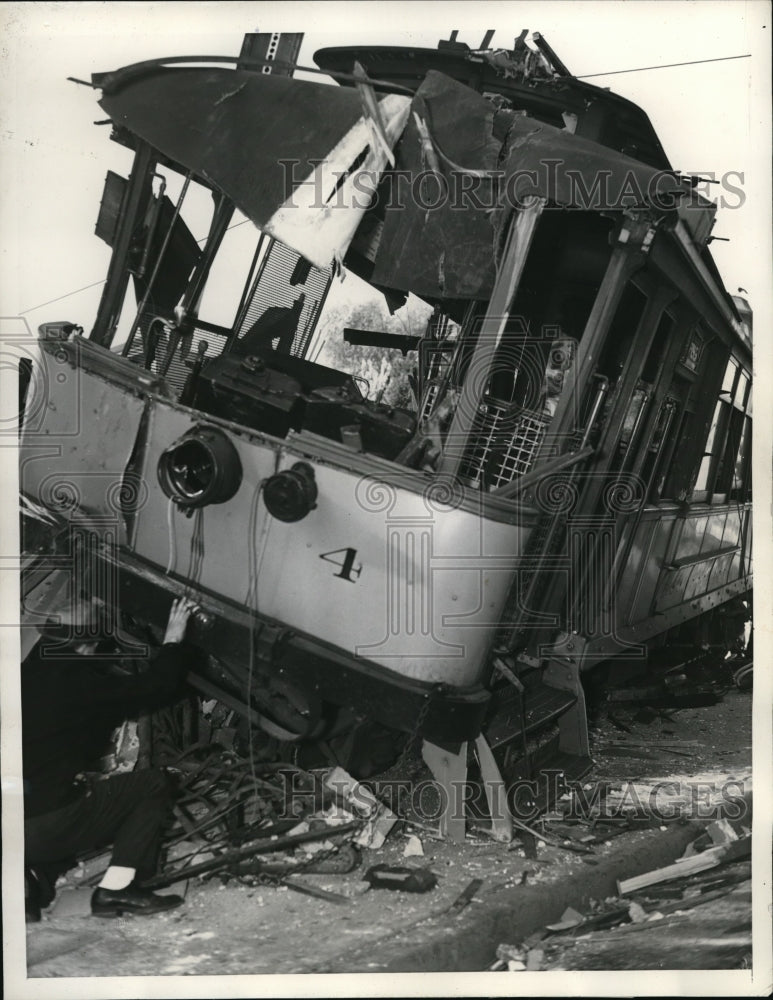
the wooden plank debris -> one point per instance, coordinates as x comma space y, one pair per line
698, 862
465, 896
552, 841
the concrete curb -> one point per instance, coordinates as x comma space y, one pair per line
467, 943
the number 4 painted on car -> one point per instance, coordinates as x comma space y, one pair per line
346, 565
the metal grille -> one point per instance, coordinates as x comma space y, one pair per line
428, 403
503, 443
436, 361
519, 454
273, 288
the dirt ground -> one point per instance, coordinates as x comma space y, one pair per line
234, 929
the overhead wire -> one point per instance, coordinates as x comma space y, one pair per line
65, 296
644, 69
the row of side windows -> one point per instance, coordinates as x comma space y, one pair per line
690, 409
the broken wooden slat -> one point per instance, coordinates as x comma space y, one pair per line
496, 792
569, 919
465, 896
551, 841
699, 862
655, 743
679, 905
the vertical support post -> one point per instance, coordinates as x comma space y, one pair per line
186, 313
519, 239
626, 258
137, 194
145, 737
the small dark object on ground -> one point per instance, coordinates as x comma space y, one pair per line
401, 879
316, 892
529, 844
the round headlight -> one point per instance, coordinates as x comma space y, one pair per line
201, 468
291, 494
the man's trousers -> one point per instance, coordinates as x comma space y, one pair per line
128, 811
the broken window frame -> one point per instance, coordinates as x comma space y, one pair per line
724, 468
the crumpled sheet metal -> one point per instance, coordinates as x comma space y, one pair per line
443, 251
448, 250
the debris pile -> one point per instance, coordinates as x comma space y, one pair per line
694, 913
260, 823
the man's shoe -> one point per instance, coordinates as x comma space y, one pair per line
129, 901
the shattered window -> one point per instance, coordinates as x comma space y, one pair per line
358, 335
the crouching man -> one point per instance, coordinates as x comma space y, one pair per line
72, 701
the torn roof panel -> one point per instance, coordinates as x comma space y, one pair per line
232, 127
446, 251
491, 161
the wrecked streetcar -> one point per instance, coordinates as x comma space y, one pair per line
568, 487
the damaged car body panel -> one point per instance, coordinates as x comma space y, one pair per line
446, 570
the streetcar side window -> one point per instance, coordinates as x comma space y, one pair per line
742, 468
698, 370
731, 472
725, 464
710, 452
